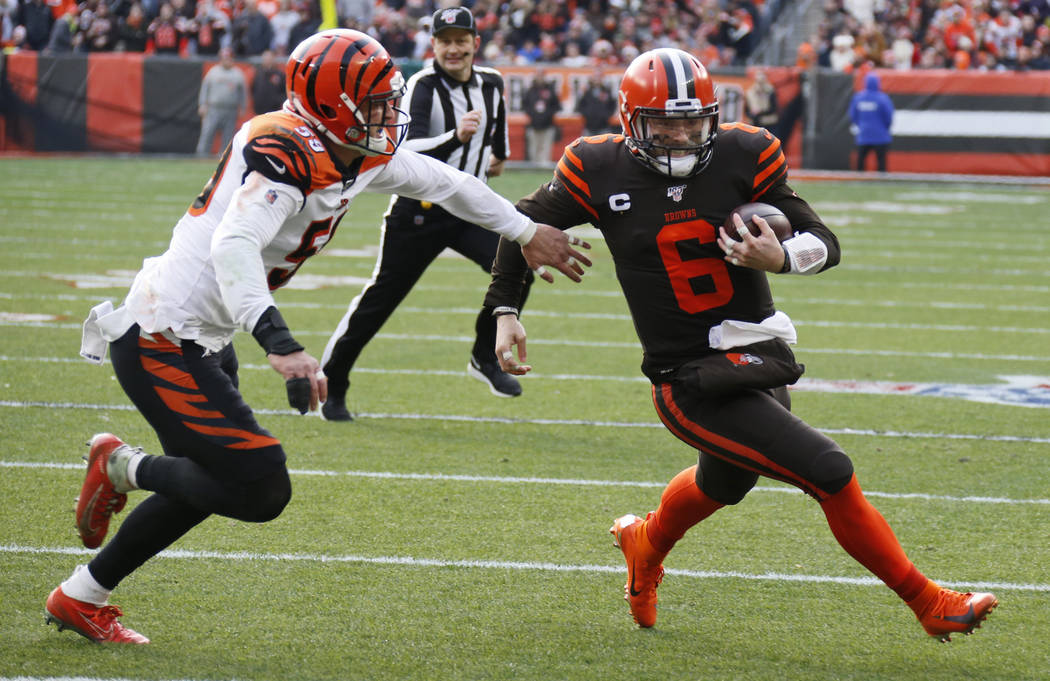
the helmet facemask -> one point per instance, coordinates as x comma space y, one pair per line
375, 131
677, 140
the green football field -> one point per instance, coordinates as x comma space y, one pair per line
448, 534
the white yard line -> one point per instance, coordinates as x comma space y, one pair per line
413, 561
581, 482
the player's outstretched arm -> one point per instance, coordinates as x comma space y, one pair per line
552, 247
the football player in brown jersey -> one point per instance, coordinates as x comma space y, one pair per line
280, 190
715, 348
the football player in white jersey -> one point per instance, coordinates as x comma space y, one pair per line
276, 198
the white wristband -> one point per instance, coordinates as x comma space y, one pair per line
807, 252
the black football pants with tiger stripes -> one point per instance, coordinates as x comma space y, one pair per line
747, 433
217, 457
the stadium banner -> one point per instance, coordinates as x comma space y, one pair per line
18, 93
170, 122
129, 103
113, 119
60, 114
982, 123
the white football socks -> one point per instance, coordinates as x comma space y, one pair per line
82, 586
133, 467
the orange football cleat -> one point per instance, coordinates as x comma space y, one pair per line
90, 621
99, 497
645, 568
950, 612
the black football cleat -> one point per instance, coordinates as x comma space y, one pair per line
500, 383
334, 409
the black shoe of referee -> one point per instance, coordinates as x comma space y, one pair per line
500, 383
334, 409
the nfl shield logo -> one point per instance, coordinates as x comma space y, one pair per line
676, 192
271, 196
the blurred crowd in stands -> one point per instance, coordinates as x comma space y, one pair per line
988, 35
900, 34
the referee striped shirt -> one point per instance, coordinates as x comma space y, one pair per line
437, 102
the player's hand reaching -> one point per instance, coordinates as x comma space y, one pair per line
306, 383
553, 247
510, 333
762, 252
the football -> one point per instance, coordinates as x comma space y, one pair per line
778, 222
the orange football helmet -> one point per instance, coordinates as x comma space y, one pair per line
669, 112
345, 84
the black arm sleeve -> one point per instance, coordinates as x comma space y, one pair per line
273, 335
509, 271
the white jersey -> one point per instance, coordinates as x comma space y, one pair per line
275, 200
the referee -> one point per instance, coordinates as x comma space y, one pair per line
459, 117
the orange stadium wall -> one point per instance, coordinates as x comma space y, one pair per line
947, 121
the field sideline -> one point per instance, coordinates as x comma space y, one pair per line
448, 534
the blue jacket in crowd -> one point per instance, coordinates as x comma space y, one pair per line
871, 111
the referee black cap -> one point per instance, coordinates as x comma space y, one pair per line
453, 17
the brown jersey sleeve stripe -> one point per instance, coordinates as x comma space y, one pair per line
775, 170
769, 151
568, 180
571, 172
777, 174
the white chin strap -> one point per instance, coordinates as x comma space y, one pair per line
376, 145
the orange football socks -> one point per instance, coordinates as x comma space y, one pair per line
682, 505
866, 536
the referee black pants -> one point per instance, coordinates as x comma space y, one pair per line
412, 238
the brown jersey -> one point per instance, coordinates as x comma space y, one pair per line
662, 234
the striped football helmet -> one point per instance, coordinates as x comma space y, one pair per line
345, 84
669, 112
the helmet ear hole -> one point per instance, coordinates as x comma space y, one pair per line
326, 111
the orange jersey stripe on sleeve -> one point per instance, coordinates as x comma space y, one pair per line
573, 183
775, 169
